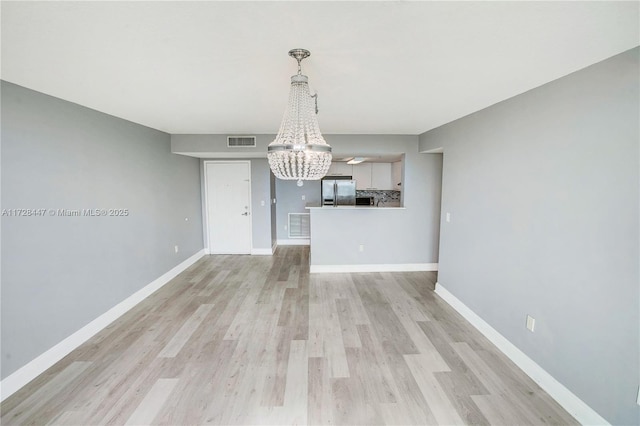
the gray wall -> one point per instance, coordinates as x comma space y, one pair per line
543, 195
60, 273
261, 192
215, 146
273, 194
289, 200
261, 226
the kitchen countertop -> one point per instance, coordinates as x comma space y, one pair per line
317, 206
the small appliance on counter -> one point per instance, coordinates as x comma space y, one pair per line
365, 201
338, 191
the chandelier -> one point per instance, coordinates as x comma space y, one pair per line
299, 152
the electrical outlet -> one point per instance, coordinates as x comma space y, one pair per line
303, 197
531, 323
262, 203
361, 248
274, 201
448, 217
175, 248
285, 227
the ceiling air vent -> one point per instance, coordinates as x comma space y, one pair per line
241, 141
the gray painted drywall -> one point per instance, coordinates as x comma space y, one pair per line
402, 236
260, 206
543, 194
60, 273
289, 200
215, 146
261, 233
273, 195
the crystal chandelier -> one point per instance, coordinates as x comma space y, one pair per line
299, 152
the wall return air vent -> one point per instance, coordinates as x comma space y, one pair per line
299, 225
241, 141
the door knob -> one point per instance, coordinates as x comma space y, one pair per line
245, 214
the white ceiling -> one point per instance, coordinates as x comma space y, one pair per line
379, 67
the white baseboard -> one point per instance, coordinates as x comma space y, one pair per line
563, 396
33, 369
394, 267
261, 251
294, 242
253, 252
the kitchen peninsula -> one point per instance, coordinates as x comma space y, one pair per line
388, 234
359, 239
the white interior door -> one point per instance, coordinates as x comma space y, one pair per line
228, 192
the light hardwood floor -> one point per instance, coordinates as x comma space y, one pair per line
257, 340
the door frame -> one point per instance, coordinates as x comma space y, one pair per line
206, 203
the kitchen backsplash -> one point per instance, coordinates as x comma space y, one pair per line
384, 197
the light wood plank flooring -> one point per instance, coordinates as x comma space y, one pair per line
257, 340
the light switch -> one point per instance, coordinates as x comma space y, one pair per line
448, 217
531, 323
303, 197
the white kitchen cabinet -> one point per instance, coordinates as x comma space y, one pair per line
362, 175
396, 175
381, 176
373, 176
340, 168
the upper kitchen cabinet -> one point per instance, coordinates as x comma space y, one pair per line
373, 176
396, 175
381, 176
362, 175
340, 168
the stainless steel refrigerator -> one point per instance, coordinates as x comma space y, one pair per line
338, 191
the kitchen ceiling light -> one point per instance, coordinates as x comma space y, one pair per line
356, 160
299, 152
